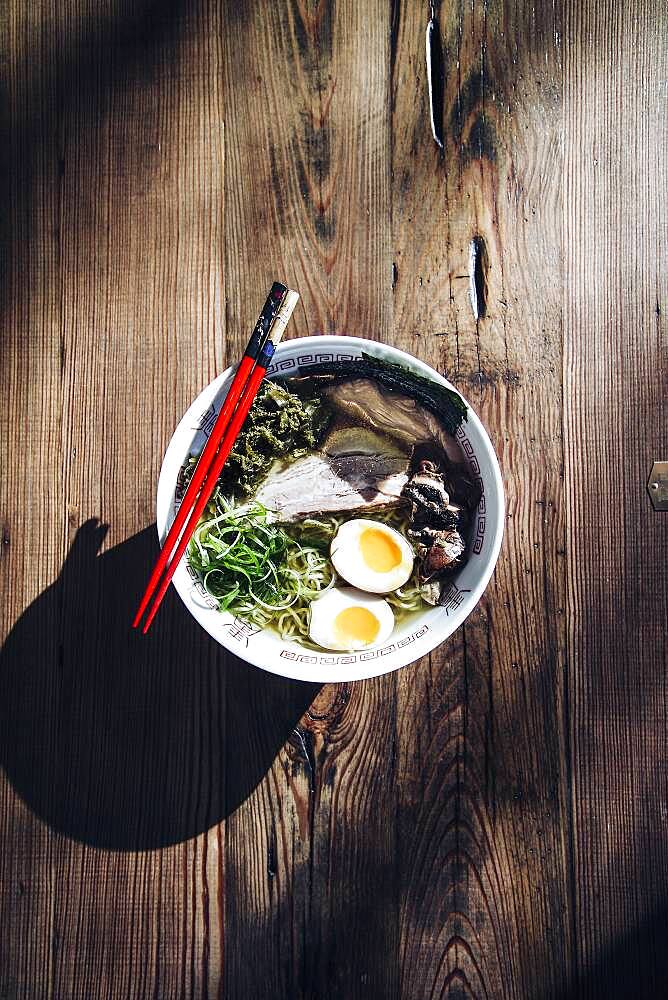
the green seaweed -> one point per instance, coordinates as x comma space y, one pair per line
279, 425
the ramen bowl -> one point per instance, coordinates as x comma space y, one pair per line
413, 637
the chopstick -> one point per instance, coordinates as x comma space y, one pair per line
256, 342
271, 325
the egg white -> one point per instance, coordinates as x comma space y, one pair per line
325, 609
348, 561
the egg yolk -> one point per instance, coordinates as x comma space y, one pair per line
380, 552
356, 624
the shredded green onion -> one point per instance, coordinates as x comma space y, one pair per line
254, 570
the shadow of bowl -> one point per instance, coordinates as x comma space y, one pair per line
124, 741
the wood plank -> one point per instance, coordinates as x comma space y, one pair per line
30, 428
142, 292
615, 294
112, 742
482, 768
310, 855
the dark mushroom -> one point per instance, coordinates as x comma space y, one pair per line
444, 552
439, 522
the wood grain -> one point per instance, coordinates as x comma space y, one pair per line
616, 368
312, 897
489, 822
306, 120
477, 787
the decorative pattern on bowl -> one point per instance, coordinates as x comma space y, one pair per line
416, 635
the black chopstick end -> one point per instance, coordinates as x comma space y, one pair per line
271, 306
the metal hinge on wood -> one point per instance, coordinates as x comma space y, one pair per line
657, 486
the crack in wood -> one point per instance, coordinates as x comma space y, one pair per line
478, 268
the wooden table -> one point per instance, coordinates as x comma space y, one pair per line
492, 821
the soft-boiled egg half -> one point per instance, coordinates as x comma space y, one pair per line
371, 555
347, 619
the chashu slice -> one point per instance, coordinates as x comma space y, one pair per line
390, 413
362, 474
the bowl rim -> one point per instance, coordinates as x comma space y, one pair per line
318, 672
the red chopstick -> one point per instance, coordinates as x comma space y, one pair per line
260, 332
224, 436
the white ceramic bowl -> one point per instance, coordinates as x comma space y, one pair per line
410, 640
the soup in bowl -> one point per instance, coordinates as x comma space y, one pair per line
357, 521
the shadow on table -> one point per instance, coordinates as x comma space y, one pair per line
127, 741
72, 63
635, 965
65, 82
